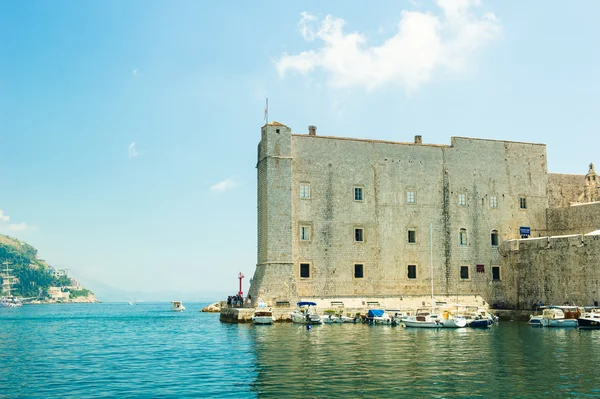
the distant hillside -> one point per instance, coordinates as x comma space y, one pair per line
33, 275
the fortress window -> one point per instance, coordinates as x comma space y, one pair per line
462, 237
305, 191
493, 201
358, 235
412, 236
464, 272
358, 194
304, 270
494, 237
304, 233
412, 271
496, 273
410, 197
462, 199
358, 270
522, 202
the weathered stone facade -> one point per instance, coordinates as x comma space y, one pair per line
351, 218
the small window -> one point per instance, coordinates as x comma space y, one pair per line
277, 131
410, 197
304, 233
493, 201
305, 191
358, 270
462, 237
480, 269
522, 202
494, 237
464, 272
496, 273
412, 236
462, 199
358, 194
412, 271
304, 270
358, 235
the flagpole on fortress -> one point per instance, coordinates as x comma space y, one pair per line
267, 111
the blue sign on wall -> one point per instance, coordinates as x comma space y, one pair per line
525, 231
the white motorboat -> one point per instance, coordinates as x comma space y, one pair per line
263, 314
424, 318
178, 306
306, 314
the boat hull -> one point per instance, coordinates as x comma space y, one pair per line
559, 322
483, 323
421, 324
454, 323
262, 320
589, 323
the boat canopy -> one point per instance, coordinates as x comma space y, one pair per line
375, 313
306, 304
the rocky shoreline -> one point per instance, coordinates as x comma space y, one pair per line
81, 299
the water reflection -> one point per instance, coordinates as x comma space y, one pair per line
509, 360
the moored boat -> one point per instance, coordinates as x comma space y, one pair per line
177, 306
306, 314
262, 314
378, 316
9, 300
424, 318
556, 316
589, 320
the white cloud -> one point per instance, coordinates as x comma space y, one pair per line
132, 151
423, 44
5, 225
225, 185
135, 72
18, 226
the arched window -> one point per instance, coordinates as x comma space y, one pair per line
494, 237
462, 237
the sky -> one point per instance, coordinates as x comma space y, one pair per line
129, 130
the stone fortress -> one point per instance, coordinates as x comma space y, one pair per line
357, 222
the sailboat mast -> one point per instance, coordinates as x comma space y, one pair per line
431, 261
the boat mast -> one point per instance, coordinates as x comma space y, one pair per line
431, 261
6, 278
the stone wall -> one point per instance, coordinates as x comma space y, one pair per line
575, 219
564, 189
553, 271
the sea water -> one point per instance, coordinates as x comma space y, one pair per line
148, 351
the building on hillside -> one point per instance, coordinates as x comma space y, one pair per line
344, 218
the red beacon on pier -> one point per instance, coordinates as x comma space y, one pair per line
241, 276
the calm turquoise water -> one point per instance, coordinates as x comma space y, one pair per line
147, 351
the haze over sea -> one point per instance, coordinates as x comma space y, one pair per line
147, 351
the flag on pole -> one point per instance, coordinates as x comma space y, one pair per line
267, 111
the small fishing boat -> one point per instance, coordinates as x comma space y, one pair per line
378, 316
262, 314
177, 306
306, 314
424, 318
556, 316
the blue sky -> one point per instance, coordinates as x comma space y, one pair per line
129, 129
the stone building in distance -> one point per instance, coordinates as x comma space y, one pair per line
344, 220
